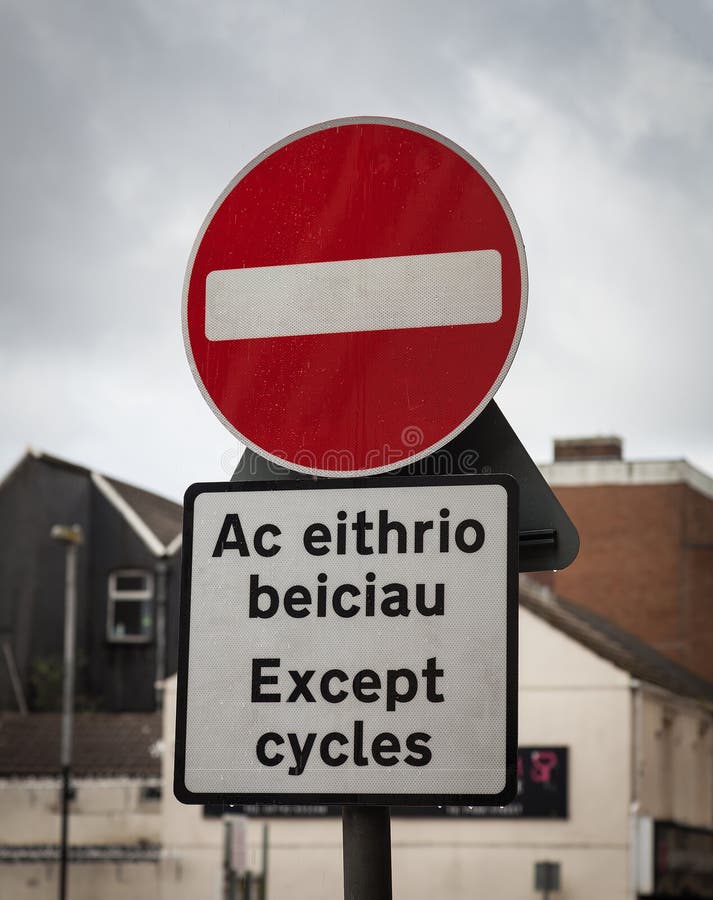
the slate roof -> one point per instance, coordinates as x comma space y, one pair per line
104, 745
162, 517
613, 643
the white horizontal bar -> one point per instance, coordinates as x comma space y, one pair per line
354, 295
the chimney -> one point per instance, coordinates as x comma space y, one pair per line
588, 449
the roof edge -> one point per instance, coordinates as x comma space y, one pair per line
103, 484
174, 545
613, 643
129, 514
590, 473
13, 470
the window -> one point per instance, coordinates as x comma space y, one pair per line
150, 792
130, 607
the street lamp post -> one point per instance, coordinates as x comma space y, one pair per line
71, 536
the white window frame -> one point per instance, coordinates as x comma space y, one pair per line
114, 594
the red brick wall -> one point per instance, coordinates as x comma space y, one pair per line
646, 563
697, 580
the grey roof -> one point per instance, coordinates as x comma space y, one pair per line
612, 643
162, 517
104, 745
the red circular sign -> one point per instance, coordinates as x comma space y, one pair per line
355, 297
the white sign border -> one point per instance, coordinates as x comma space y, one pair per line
323, 126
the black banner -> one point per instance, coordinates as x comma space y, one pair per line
541, 794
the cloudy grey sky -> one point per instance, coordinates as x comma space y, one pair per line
123, 122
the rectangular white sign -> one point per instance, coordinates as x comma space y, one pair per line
419, 291
349, 641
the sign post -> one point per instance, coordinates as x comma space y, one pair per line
352, 303
355, 643
366, 853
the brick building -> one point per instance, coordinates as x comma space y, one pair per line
646, 556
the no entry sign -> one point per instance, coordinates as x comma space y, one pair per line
349, 641
355, 297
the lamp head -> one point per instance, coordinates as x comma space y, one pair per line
68, 534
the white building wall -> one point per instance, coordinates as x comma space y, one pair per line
91, 881
568, 696
192, 844
105, 811
675, 762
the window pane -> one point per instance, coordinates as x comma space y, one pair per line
151, 792
135, 582
132, 618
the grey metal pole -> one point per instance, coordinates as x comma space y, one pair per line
161, 592
72, 537
366, 838
64, 812
70, 615
227, 868
265, 844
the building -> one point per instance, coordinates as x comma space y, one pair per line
616, 736
115, 810
127, 590
617, 742
616, 788
646, 553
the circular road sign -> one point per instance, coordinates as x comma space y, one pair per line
355, 297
